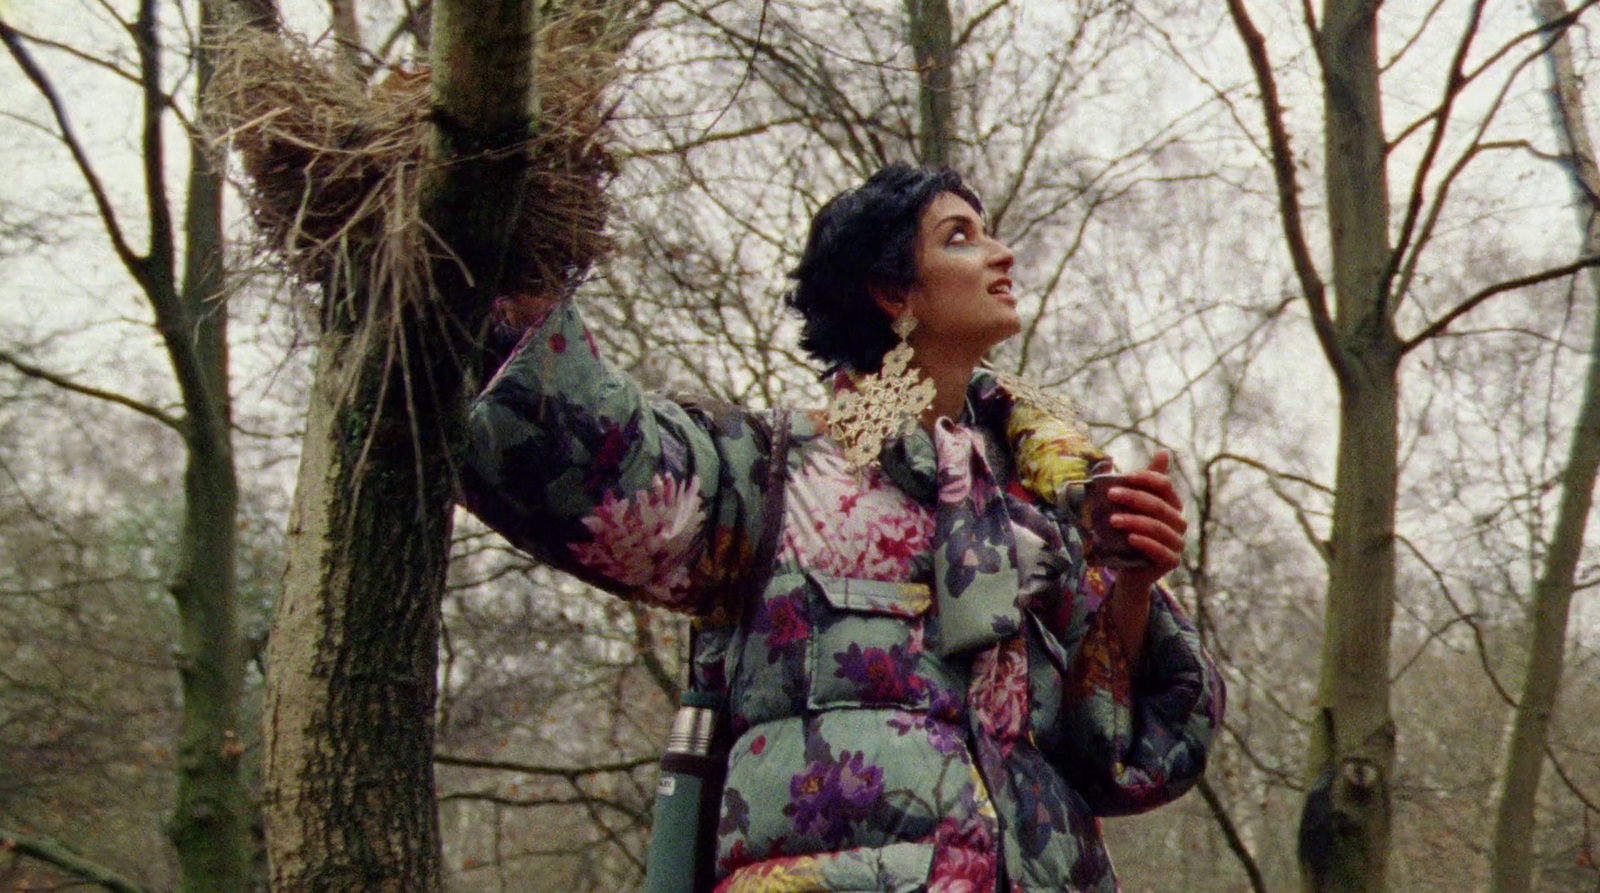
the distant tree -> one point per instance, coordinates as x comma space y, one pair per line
1375, 257
180, 274
1512, 856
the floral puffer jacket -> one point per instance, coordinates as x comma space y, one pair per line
865, 758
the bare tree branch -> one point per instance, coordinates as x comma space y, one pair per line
1268, 470
815, 80
1422, 28
1566, 779
645, 643
1311, 283
567, 772
1408, 270
54, 853
1454, 83
138, 266
673, 149
80, 55
1554, 28
171, 421
1230, 833
638, 816
162, 247
415, 22
1472, 303
975, 22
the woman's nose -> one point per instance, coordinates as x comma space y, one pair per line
1004, 257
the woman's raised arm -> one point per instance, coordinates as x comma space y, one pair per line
651, 499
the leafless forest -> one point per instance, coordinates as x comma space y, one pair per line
1339, 257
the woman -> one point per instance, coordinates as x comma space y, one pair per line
934, 690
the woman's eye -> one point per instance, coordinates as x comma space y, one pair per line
958, 237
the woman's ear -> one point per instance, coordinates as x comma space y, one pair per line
891, 300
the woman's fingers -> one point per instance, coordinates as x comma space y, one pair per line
1167, 532
1149, 509
1149, 503
1164, 556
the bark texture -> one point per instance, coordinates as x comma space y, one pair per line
349, 792
1511, 860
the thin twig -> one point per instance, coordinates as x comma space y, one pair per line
568, 772
54, 853
136, 264
1230, 833
1454, 83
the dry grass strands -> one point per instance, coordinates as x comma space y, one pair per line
334, 165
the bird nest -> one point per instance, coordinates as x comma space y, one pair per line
334, 164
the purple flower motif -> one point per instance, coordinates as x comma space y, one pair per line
830, 794
886, 677
735, 814
945, 737
783, 620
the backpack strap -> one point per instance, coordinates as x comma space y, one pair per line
771, 509
778, 435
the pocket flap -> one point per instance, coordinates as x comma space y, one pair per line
875, 596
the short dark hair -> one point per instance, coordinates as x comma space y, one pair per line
863, 237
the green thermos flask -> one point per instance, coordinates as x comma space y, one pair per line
688, 801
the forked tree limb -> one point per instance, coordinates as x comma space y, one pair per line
1472, 302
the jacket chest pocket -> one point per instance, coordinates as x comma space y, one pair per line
866, 646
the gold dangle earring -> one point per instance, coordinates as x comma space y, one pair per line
883, 405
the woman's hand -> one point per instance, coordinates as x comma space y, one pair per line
526, 310
1151, 513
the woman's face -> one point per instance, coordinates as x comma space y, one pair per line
962, 297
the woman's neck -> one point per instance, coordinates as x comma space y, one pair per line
950, 390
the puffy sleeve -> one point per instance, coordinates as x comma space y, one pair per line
651, 499
1135, 738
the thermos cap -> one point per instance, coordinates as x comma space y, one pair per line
692, 731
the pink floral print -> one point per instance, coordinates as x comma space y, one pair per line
845, 525
642, 542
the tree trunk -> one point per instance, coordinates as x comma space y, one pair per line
1511, 859
1344, 831
349, 791
211, 823
210, 827
932, 47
